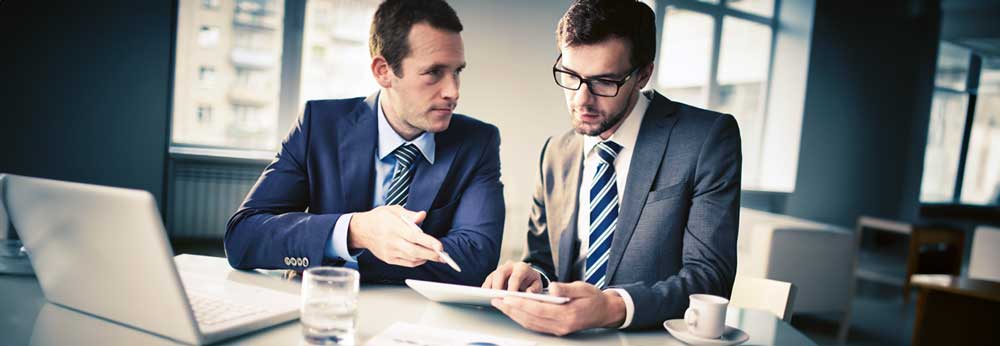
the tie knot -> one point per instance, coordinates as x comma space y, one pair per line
406, 154
608, 151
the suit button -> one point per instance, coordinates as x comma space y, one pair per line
298, 262
288, 261
305, 262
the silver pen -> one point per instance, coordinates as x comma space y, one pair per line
444, 255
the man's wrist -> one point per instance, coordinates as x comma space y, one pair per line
355, 238
615, 315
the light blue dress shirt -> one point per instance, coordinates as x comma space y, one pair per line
385, 162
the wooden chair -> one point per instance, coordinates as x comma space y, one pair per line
932, 235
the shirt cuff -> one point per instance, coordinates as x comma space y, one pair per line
337, 247
629, 306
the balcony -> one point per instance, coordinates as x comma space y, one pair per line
253, 58
256, 20
251, 97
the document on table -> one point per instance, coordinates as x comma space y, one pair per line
407, 334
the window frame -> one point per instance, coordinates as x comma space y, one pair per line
955, 208
969, 91
210, 4
288, 108
719, 12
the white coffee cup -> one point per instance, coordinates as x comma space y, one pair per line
706, 316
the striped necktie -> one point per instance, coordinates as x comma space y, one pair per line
399, 189
603, 214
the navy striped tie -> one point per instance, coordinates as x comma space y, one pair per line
399, 189
603, 214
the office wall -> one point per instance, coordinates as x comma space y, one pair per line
85, 89
510, 48
867, 105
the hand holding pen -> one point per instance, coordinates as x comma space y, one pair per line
392, 235
444, 255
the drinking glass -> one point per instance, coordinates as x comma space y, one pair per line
329, 306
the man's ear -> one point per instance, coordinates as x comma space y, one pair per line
382, 71
644, 75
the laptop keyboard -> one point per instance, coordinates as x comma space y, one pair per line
209, 310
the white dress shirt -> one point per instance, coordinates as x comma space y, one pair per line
385, 162
626, 136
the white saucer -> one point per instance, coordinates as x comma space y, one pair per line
679, 329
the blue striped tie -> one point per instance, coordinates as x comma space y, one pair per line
399, 189
603, 214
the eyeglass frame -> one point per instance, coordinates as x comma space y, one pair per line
590, 88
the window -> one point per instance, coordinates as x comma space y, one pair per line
944, 140
759, 7
685, 55
206, 74
210, 4
256, 97
208, 36
319, 53
717, 55
249, 79
981, 182
248, 119
241, 81
742, 74
336, 34
962, 156
204, 113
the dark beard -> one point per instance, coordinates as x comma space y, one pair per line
608, 123
605, 125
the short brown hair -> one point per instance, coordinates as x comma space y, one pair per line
593, 21
389, 36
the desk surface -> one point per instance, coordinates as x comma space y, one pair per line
27, 319
982, 289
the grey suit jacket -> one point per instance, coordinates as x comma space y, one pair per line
678, 218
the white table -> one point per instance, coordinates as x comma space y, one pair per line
27, 319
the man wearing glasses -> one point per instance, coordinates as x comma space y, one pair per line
636, 208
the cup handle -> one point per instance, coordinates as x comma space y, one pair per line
691, 318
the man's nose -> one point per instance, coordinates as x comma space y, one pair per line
582, 97
449, 90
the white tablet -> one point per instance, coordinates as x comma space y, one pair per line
459, 294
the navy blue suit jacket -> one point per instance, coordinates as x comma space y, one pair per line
326, 168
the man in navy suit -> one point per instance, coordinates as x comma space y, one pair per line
637, 206
353, 172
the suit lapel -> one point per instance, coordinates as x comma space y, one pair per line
427, 178
569, 212
357, 156
651, 144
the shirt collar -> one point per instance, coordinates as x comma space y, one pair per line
626, 134
389, 140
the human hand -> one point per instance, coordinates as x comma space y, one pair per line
589, 307
514, 276
386, 232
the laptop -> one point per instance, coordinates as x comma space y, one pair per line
104, 251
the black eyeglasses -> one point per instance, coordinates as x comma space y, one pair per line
597, 86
